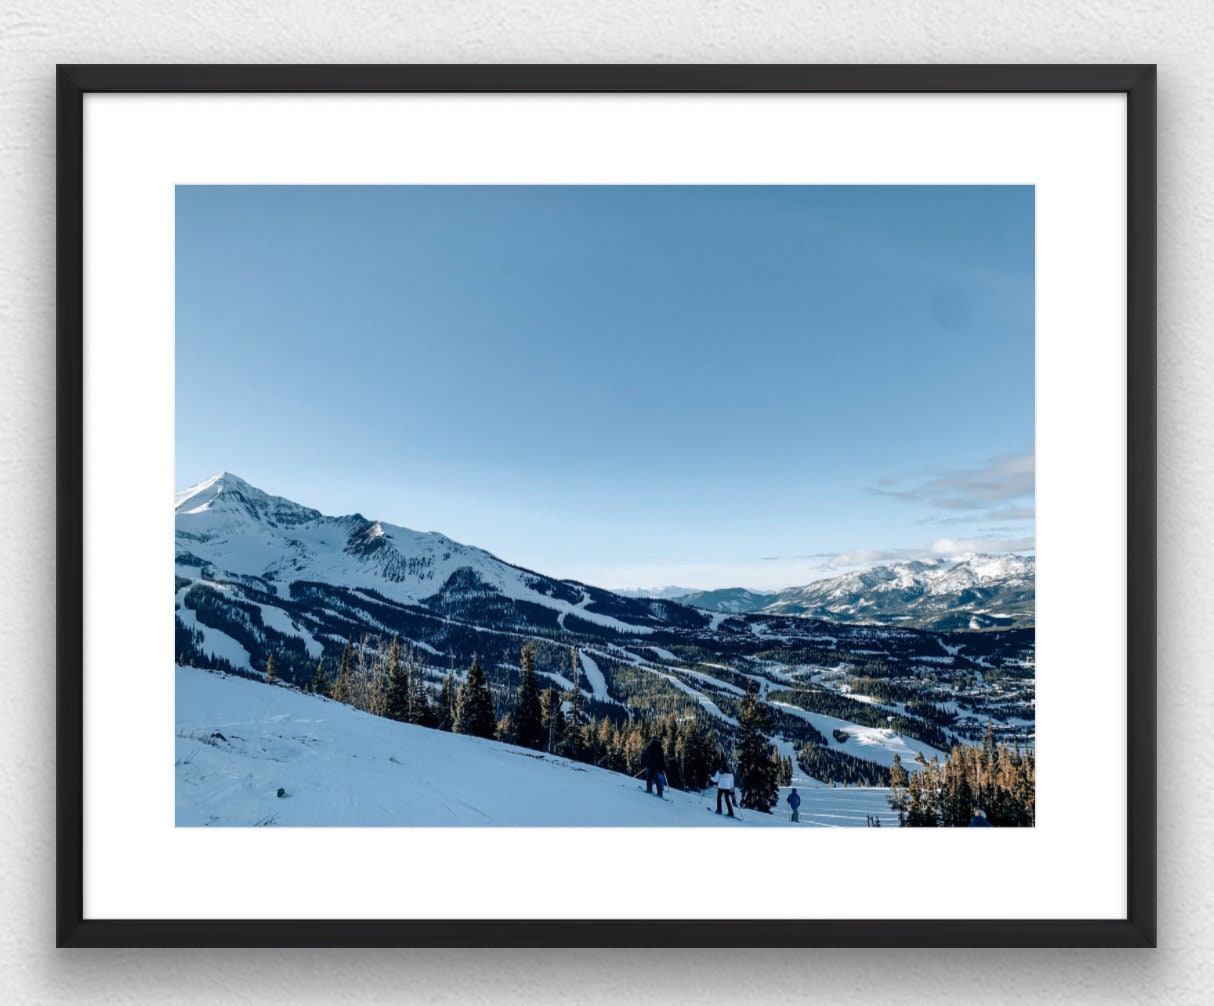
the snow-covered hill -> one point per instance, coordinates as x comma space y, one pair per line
239, 742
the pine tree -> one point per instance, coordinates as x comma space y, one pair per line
446, 703
917, 813
570, 740
474, 713
528, 717
756, 770
320, 684
899, 797
986, 767
271, 677
396, 698
552, 719
504, 731
343, 686
958, 794
421, 711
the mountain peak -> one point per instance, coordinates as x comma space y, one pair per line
229, 492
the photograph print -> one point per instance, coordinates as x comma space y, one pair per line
612, 506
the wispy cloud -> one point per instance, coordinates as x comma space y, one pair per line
999, 488
972, 517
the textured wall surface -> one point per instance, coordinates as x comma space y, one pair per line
35, 35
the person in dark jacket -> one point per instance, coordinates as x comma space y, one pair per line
979, 819
794, 801
654, 761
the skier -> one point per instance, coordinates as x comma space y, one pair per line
979, 819
654, 761
794, 801
724, 781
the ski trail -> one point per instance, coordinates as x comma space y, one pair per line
580, 607
598, 683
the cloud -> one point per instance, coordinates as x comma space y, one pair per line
999, 489
970, 517
991, 487
957, 546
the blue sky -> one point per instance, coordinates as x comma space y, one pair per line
632, 386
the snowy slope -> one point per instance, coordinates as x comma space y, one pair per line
239, 741
875, 744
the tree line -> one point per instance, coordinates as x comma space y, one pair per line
381, 677
1000, 780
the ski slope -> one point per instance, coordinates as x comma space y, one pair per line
875, 744
239, 741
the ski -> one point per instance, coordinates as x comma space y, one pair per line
666, 799
728, 817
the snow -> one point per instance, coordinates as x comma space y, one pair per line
875, 744
663, 654
594, 677
243, 531
700, 697
239, 741
724, 685
280, 621
216, 643
562, 682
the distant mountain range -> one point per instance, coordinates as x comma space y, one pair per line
974, 591
662, 593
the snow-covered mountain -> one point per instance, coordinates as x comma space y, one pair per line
974, 591
257, 572
965, 592
228, 526
663, 593
259, 576
735, 600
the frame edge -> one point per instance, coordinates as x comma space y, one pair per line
69, 504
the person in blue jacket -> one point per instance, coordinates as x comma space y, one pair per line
979, 819
794, 801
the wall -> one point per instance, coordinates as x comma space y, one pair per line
34, 36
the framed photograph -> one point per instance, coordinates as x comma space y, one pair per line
607, 506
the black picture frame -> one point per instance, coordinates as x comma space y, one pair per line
1137, 82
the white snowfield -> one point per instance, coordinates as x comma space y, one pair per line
873, 744
598, 684
239, 741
